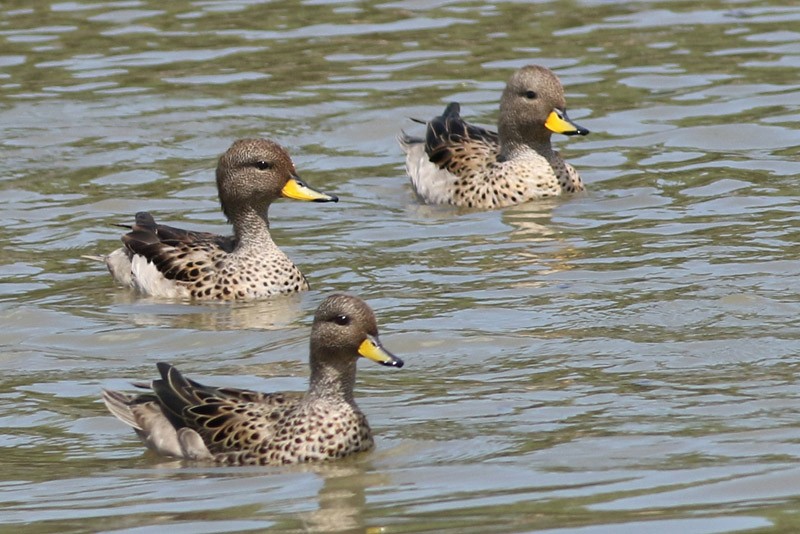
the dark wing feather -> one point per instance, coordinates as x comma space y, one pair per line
146, 230
449, 131
227, 419
165, 247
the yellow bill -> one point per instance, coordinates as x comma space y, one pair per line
372, 349
558, 122
297, 189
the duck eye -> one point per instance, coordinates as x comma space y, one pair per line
342, 320
263, 165
530, 95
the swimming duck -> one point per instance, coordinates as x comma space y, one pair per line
469, 166
163, 261
187, 420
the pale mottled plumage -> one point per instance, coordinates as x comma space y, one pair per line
187, 420
162, 261
468, 166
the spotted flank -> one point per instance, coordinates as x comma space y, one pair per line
181, 418
472, 167
163, 261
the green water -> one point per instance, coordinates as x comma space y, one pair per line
618, 362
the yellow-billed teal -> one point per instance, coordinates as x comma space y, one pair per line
190, 421
162, 261
468, 166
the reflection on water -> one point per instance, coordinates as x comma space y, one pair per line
277, 313
620, 361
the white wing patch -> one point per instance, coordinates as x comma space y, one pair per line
431, 183
119, 265
148, 280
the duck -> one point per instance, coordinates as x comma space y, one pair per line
186, 420
163, 261
469, 166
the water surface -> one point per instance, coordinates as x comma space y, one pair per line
620, 361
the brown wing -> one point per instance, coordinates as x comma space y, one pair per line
449, 141
227, 419
171, 249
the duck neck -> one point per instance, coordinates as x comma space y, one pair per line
251, 228
332, 382
515, 142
